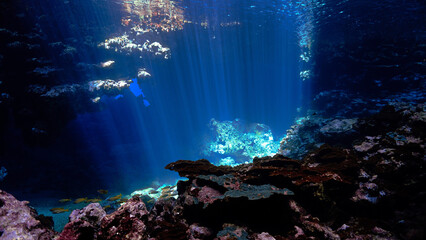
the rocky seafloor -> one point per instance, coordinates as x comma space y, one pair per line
360, 178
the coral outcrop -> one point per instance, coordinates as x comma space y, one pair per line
19, 221
84, 223
338, 119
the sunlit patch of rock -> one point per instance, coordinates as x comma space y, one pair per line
123, 44
142, 73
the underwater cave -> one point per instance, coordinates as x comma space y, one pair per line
307, 119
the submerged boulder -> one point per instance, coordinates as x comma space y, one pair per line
127, 222
19, 221
84, 223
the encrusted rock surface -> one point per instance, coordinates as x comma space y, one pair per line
19, 221
83, 223
348, 191
126, 223
339, 116
371, 187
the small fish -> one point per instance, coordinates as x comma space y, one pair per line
106, 207
80, 200
64, 200
167, 190
59, 210
164, 196
103, 191
115, 197
123, 200
94, 200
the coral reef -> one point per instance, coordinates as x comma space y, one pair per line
372, 188
337, 117
352, 168
233, 140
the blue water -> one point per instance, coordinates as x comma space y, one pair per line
237, 74
248, 71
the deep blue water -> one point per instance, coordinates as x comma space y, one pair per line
248, 71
